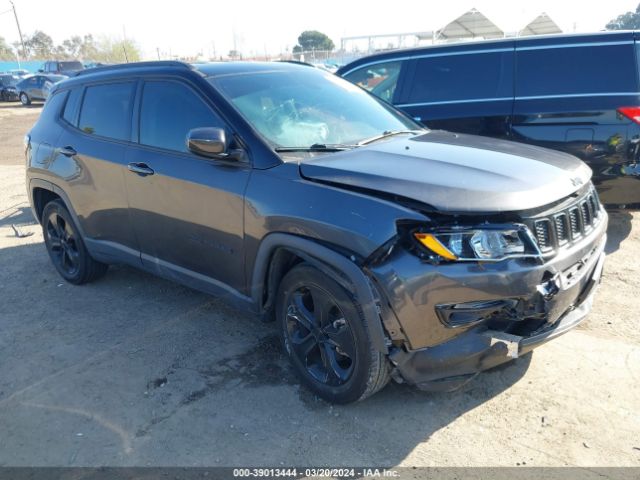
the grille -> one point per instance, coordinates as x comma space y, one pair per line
574, 218
543, 234
569, 224
562, 232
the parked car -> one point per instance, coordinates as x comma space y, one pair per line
573, 93
8, 92
67, 67
36, 87
381, 248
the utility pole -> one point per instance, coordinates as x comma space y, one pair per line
124, 43
158, 50
24, 50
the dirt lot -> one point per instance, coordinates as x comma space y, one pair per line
134, 370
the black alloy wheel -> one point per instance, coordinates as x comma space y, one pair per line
63, 246
66, 247
320, 336
326, 337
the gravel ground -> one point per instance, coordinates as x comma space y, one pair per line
135, 370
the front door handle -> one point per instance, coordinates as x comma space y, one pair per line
141, 169
68, 151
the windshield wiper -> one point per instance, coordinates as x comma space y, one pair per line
317, 147
388, 133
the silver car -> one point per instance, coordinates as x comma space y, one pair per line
37, 87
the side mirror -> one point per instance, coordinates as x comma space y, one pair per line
208, 142
40, 70
212, 142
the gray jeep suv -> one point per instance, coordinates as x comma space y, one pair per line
382, 249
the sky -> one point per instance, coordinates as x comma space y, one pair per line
189, 27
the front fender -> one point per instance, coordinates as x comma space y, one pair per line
340, 268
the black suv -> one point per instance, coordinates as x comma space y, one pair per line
574, 93
381, 248
62, 67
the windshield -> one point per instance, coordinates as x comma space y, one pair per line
7, 81
65, 66
308, 107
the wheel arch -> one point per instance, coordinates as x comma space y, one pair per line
279, 252
42, 192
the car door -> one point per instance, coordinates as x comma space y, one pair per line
568, 98
186, 210
96, 129
31, 86
465, 91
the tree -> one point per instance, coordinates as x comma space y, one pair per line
88, 49
6, 53
626, 21
109, 50
313, 40
39, 45
72, 46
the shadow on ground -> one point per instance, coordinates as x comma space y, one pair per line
133, 370
17, 104
618, 230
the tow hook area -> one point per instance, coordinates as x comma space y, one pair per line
550, 288
512, 342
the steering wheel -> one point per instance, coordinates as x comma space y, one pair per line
286, 109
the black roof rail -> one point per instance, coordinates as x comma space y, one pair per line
125, 66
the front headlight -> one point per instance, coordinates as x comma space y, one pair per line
479, 244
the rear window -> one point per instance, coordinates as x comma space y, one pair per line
52, 107
70, 66
576, 70
71, 107
462, 77
106, 110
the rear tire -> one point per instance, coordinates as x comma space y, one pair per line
66, 247
327, 339
24, 99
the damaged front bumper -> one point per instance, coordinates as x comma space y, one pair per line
517, 307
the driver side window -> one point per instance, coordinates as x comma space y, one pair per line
168, 111
380, 79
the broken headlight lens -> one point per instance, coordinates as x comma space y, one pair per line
478, 244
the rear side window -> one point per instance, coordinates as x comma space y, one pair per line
576, 70
71, 107
52, 106
474, 76
380, 79
167, 113
106, 110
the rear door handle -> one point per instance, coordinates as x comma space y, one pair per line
68, 151
141, 169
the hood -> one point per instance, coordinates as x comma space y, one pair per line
455, 172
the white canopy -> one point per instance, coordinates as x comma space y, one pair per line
472, 24
541, 25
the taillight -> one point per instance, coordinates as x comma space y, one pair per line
632, 113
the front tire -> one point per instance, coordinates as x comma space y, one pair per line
66, 247
24, 99
327, 339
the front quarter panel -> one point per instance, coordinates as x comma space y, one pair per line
278, 200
